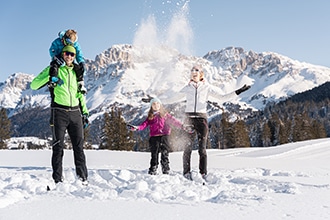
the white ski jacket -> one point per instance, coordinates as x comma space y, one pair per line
197, 95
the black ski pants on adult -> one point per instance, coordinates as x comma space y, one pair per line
159, 144
68, 119
200, 127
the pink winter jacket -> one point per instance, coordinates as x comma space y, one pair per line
160, 126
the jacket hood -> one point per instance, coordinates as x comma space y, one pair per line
61, 34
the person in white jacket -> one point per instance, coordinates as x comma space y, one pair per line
197, 93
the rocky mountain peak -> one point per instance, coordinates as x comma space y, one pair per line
115, 58
19, 81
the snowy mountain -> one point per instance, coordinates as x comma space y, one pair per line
14, 90
123, 74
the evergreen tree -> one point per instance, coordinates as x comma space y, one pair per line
228, 132
106, 132
283, 137
306, 127
274, 124
318, 130
4, 128
266, 135
241, 135
300, 128
115, 134
224, 126
215, 135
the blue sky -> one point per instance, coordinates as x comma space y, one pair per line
294, 28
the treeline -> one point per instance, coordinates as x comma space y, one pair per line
4, 128
304, 116
287, 122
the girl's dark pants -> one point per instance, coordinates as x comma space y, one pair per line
159, 144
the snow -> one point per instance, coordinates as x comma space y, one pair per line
290, 181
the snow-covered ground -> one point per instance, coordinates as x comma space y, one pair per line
291, 181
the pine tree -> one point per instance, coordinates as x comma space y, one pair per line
115, 134
306, 127
301, 128
215, 135
283, 137
125, 136
241, 135
224, 125
274, 124
266, 135
4, 128
228, 132
318, 130
105, 132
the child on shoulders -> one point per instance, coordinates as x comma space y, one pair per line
66, 37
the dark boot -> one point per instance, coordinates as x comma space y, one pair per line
153, 170
166, 170
188, 176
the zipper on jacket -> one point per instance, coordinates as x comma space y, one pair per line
69, 83
195, 98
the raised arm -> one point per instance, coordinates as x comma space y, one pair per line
41, 80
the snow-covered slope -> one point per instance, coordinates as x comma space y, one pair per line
284, 182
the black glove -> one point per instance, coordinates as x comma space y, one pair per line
131, 127
242, 89
53, 70
82, 88
85, 120
147, 100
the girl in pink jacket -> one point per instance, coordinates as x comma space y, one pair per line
159, 122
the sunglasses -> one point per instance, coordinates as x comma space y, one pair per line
195, 70
66, 53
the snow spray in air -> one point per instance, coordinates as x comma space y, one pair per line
160, 38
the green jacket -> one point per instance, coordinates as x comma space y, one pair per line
67, 94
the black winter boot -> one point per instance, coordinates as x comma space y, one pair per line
153, 170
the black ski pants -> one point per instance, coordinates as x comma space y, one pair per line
200, 127
68, 120
159, 144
